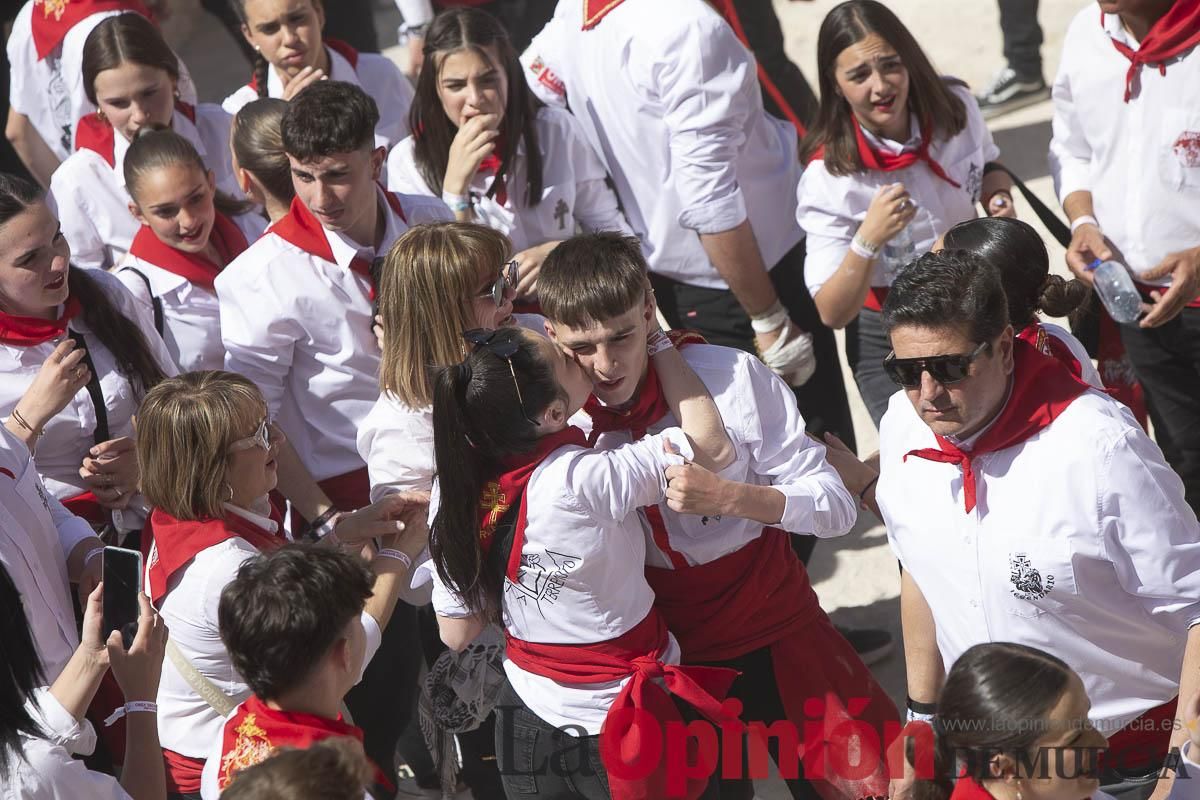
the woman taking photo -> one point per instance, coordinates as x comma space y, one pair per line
897, 156
132, 77
190, 232
291, 54
259, 162
211, 513
545, 550
493, 152
77, 356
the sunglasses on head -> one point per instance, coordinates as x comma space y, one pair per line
508, 277
260, 438
945, 370
485, 338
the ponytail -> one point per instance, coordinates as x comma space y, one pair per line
261, 66
1060, 297
157, 146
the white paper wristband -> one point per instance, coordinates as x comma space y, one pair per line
131, 707
400, 556
1086, 219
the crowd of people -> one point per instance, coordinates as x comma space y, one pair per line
483, 415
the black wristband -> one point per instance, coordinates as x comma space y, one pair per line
312, 534
862, 495
920, 708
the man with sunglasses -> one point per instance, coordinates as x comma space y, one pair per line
1025, 506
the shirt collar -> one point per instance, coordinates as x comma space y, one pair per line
882, 143
345, 249
1117, 32
262, 520
969, 442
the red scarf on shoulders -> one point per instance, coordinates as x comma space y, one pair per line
30, 331
226, 237
175, 542
1052, 346
885, 161
1175, 32
1042, 389
53, 19
96, 133
336, 45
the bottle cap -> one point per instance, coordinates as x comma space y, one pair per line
1095, 263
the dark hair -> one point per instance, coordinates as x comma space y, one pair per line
22, 669
1017, 252
125, 38
328, 117
948, 288
477, 421
929, 95
332, 769
991, 702
473, 29
115, 331
258, 144
261, 65
591, 278
156, 146
284, 610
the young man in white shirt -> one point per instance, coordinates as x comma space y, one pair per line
1025, 506
730, 587
1126, 163
296, 316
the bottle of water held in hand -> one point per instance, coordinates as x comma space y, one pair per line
1116, 290
899, 251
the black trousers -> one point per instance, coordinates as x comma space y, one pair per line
1022, 37
1166, 360
764, 37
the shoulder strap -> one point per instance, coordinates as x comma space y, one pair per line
1054, 224
217, 700
155, 300
100, 434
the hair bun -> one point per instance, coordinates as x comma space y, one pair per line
1058, 297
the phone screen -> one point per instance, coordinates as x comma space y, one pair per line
122, 584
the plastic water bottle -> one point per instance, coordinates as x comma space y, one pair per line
898, 252
1116, 290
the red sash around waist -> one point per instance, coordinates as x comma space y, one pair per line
1144, 741
634, 655
1146, 289
183, 772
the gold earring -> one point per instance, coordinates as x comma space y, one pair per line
229, 488
99, 115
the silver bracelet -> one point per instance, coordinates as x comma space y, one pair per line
402, 557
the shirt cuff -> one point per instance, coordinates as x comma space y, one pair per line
72, 530
715, 215
78, 738
1073, 177
1187, 752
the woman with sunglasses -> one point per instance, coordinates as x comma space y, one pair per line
493, 152
211, 513
539, 538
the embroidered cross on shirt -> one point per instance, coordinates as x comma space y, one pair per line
55, 7
496, 504
560, 213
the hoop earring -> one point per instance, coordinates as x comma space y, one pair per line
229, 488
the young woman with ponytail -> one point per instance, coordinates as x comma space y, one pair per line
291, 54
259, 161
540, 534
190, 232
1018, 253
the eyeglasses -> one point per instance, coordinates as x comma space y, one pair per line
260, 438
508, 277
945, 370
483, 337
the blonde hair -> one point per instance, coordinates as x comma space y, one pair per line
426, 290
184, 429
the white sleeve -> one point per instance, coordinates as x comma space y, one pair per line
77, 737
71, 529
446, 601
615, 483
816, 500
392, 93
543, 61
22, 92
397, 445
68, 188
374, 638
596, 205
1070, 157
420, 208
415, 12
703, 78
828, 232
403, 177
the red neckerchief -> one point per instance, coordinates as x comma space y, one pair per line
1175, 32
57, 17
500, 492
226, 237
177, 541
30, 331
1051, 346
303, 230
1042, 389
96, 133
256, 731
636, 655
969, 789
336, 45
491, 166
596, 10
889, 162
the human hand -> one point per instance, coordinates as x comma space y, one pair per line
385, 517
889, 213
1001, 204
91, 635
92, 569
475, 141
295, 84
529, 265
139, 668
414, 515
110, 470
1184, 269
61, 376
788, 351
857, 475
692, 489
1087, 245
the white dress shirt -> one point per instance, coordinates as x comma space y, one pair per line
68, 436
670, 98
375, 74
1080, 544
36, 535
1140, 160
300, 327
574, 188
47, 770
771, 449
831, 207
1090, 374
190, 313
580, 579
93, 204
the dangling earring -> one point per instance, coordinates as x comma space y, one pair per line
229, 488
99, 115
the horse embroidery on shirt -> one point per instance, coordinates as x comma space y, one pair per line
539, 582
1027, 581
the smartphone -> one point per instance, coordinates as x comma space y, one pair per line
122, 585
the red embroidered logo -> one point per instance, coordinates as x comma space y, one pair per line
546, 77
1187, 148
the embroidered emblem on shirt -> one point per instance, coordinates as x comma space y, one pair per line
540, 582
974, 182
1028, 583
42, 494
496, 503
546, 77
1187, 148
560, 213
251, 747
55, 7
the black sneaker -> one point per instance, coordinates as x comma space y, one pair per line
871, 644
1009, 91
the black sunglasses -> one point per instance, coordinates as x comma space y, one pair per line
483, 337
945, 370
508, 277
